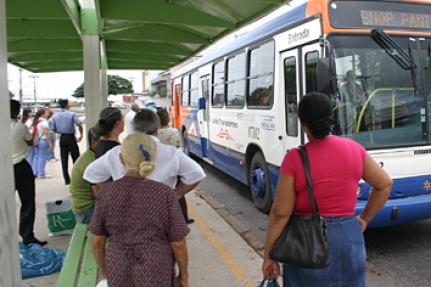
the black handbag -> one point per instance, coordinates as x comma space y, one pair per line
303, 242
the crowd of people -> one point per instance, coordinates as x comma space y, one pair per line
132, 193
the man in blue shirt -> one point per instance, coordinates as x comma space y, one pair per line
64, 123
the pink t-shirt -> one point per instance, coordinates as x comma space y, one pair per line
336, 166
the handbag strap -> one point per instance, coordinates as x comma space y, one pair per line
305, 162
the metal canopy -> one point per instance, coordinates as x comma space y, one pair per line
45, 36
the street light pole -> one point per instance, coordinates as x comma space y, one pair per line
34, 90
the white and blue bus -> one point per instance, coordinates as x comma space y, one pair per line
236, 105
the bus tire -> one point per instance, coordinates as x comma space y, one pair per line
260, 185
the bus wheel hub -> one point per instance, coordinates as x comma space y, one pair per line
258, 182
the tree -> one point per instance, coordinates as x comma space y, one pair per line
116, 85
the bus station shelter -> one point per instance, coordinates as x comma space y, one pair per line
94, 36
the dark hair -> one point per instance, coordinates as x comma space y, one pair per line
315, 110
15, 106
135, 108
164, 117
107, 119
146, 121
25, 115
63, 103
36, 118
93, 134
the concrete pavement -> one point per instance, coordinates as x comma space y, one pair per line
218, 255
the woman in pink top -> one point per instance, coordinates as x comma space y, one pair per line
336, 166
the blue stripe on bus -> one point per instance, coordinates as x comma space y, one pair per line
403, 187
228, 161
194, 145
400, 210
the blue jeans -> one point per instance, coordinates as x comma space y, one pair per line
85, 217
33, 159
43, 150
51, 153
347, 255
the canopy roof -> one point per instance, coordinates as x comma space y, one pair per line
45, 36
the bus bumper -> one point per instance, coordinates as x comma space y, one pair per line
399, 210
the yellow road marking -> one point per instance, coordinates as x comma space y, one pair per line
218, 246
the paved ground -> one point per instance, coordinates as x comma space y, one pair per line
218, 255
398, 256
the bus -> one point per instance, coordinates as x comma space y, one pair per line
236, 104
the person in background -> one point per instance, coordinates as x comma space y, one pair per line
27, 116
128, 118
167, 134
64, 122
111, 125
83, 199
143, 222
23, 175
51, 154
335, 187
44, 145
171, 136
171, 163
33, 158
27, 120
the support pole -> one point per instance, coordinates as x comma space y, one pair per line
92, 79
10, 271
20, 85
105, 89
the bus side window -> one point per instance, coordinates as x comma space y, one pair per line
194, 89
261, 76
311, 59
291, 96
186, 91
218, 85
235, 84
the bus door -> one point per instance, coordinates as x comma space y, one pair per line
310, 57
291, 81
204, 115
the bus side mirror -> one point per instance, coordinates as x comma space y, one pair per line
326, 80
201, 104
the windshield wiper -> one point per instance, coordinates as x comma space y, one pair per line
393, 49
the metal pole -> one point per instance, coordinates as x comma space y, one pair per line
20, 85
34, 91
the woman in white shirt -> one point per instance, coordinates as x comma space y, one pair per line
44, 144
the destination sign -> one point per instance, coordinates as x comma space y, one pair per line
380, 14
395, 19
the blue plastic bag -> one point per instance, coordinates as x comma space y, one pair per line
38, 261
268, 283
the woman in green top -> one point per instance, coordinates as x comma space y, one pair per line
83, 199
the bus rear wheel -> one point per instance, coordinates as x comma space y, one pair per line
260, 185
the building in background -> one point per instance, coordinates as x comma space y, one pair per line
161, 85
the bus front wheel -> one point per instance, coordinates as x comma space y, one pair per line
260, 185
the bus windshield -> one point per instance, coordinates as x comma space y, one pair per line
379, 102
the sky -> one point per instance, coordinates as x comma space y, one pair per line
62, 84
